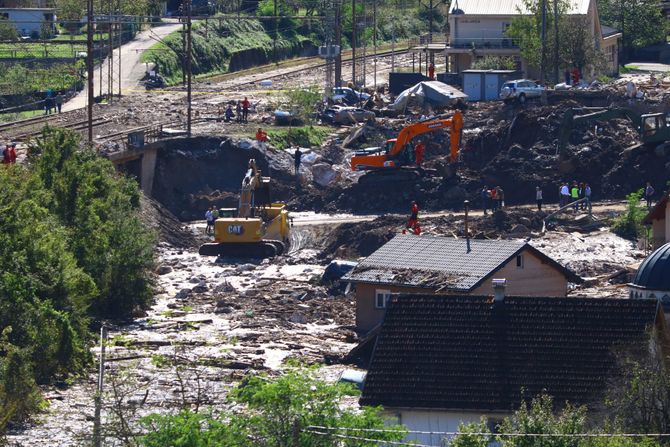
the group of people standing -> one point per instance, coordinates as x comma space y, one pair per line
9, 154
52, 102
579, 194
493, 199
210, 216
241, 113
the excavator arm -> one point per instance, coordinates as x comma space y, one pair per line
576, 116
410, 132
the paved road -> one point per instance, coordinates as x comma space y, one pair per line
131, 68
649, 67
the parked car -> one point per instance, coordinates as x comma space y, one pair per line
346, 115
348, 95
521, 90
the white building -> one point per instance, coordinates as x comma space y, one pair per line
31, 22
477, 29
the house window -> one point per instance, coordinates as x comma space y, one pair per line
4, 16
505, 26
652, 296
519, 261
381, 298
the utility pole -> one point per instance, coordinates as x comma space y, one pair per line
555, 42
89, 67
274, 40
188, 67
338, 42
110, 53
120, 31
101, 61
543, 60
374, 38
365, 43
353, 42
183, 46
430, 23
393, 45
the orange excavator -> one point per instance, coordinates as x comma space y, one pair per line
395, 161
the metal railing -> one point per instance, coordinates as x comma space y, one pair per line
484, 43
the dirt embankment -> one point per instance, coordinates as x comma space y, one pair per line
515, 147
353, 240
193, 174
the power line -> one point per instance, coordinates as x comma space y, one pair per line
491, 434
358, 438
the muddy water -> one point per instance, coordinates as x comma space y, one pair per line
218, 320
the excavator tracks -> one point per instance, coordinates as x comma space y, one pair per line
251, 250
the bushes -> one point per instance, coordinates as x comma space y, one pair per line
269, 412
71, 248
306, 136
629, 224
215, 42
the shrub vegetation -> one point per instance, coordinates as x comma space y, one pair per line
72, 250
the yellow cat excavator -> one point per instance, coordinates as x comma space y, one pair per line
260, 228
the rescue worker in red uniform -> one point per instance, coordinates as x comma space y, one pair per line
12, 153
413, 221
419, 151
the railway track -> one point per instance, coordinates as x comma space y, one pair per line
25, 129
259, 76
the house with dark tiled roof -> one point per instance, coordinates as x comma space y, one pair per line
659, 219
432, 264
438, 362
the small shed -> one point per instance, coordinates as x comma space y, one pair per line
484, 85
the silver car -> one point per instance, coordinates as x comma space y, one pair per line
521, 90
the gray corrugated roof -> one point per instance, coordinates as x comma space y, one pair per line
607, 31
432, 261
509, 7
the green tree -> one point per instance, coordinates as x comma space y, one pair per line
71, 246
639, 397
641, 21
629, 224
276, 413
576, 44
7, 30
470, 435
494, 63
304, 102
538, 417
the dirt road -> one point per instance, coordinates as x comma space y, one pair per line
131, 68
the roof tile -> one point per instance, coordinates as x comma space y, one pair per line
467, 353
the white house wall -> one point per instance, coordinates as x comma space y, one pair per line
26, 21
435, 421
479, 30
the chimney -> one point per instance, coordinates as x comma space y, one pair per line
499, 290
467, 233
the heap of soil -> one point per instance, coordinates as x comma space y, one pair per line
350, 241
516, 148
196, 173
170, 230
